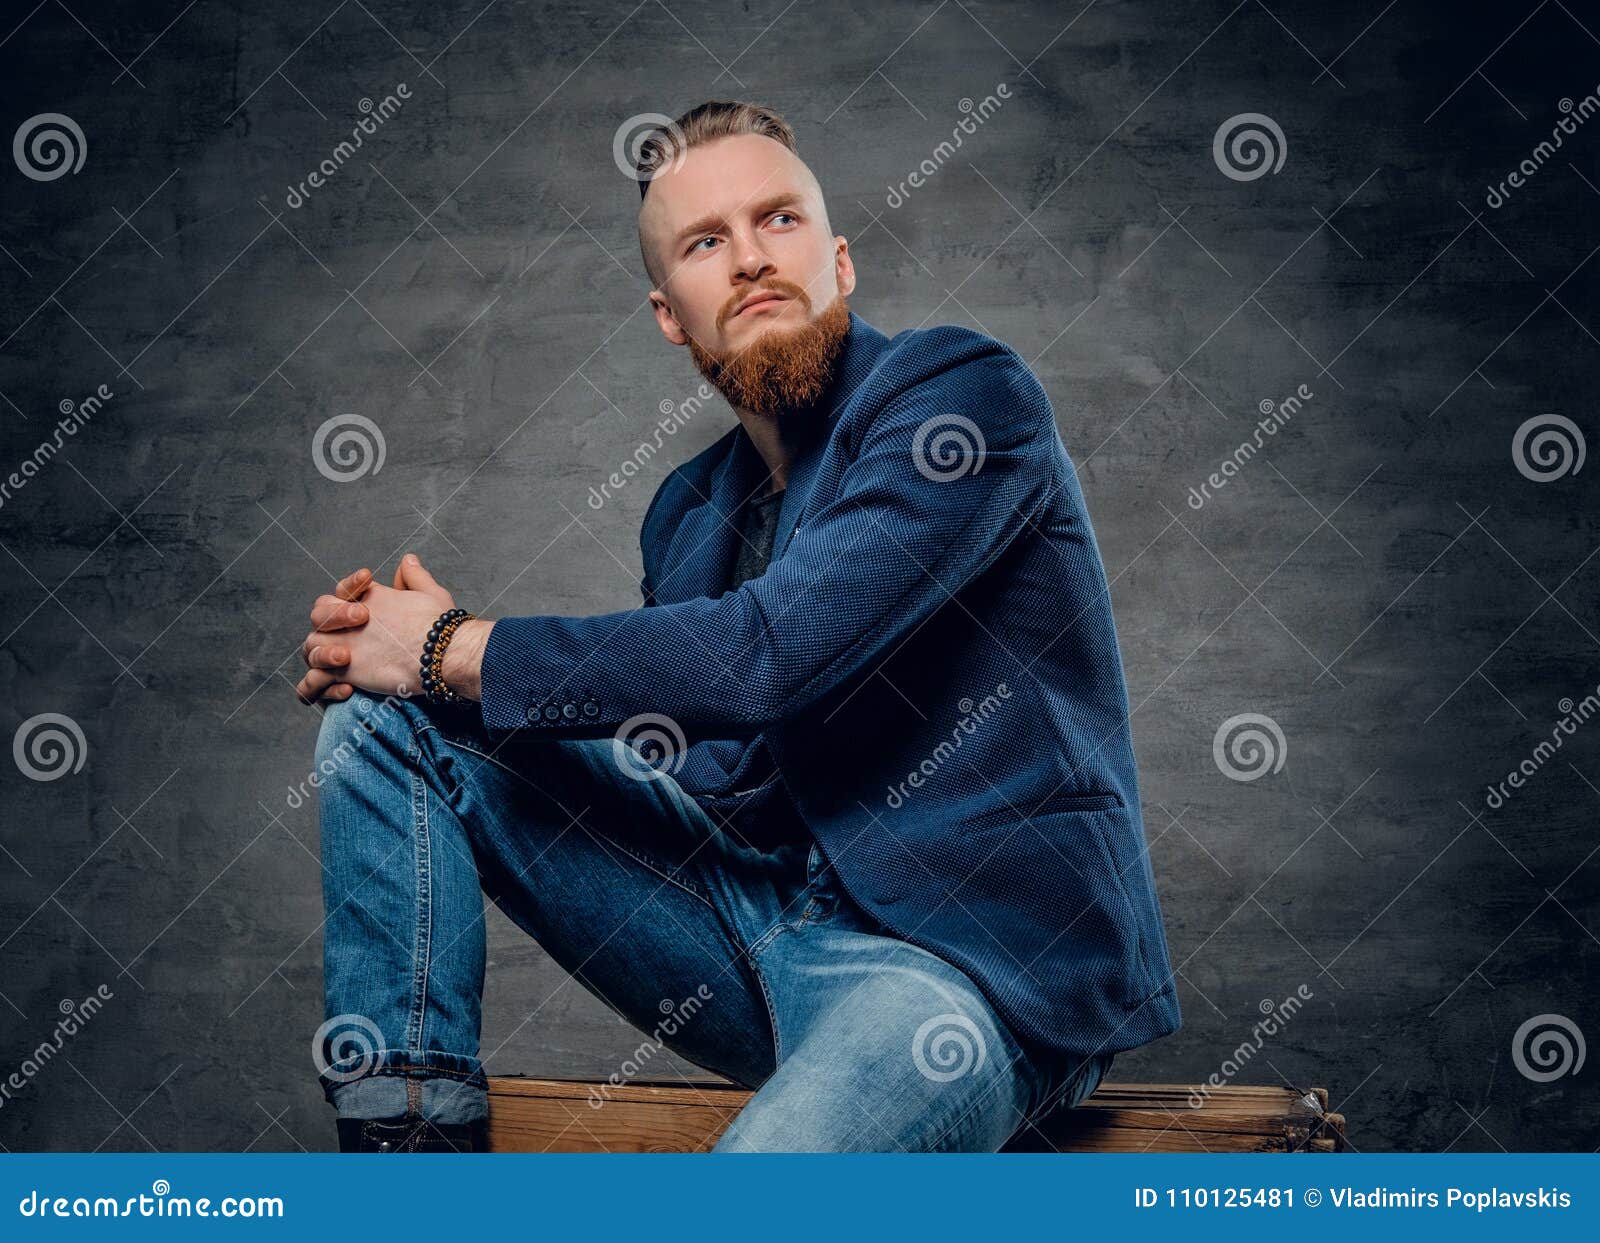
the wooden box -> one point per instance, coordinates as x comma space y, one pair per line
553, 1115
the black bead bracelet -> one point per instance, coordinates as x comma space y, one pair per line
432, 662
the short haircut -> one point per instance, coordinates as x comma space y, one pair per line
717, 118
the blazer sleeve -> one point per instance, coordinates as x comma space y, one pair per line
947, 473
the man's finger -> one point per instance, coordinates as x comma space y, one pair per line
330, 613
314, 685
326, 656
352, 585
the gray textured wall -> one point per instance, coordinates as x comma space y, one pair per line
1407, 605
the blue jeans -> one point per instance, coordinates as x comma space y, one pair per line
748, 961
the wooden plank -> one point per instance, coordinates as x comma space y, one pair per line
554, 1115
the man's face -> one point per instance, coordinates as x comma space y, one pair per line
740, 218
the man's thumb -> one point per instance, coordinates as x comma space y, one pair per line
415, 577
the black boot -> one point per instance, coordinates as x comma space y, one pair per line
412, 1134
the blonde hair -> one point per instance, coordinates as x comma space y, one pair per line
717, 118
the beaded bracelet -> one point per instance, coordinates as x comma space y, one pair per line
432, 662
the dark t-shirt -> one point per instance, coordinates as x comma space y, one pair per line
758, 526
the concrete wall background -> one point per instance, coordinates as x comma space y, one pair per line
1408, 606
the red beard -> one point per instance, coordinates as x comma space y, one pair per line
784, 369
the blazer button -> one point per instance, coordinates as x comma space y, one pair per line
552, 712
591, 709
533, 716
570, 711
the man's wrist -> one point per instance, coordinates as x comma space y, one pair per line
463, 658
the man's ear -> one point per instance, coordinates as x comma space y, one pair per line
671, 329
844, 268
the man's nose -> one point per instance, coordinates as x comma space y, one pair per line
750, 259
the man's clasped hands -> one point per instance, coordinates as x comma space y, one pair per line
366, 636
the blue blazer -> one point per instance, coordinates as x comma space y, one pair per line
930, 659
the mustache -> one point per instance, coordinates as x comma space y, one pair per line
787, 288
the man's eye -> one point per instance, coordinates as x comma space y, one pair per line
702, 242
783, 215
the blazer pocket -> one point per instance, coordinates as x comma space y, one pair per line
1032, 809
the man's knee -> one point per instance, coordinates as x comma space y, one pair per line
354, 734
360, 787
352, 720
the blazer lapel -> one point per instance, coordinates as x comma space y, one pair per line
791, 510
862, 348
709, 533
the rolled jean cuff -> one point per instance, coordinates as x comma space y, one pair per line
453, 1087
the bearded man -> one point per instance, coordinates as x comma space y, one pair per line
846, 810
